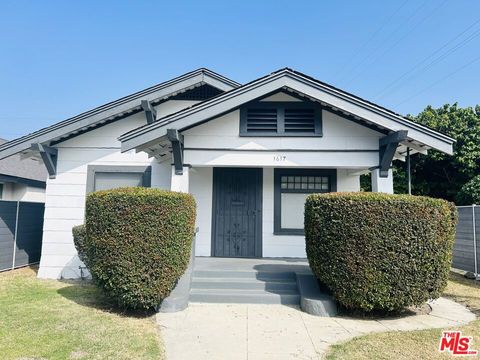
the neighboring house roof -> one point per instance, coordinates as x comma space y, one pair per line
420, 137
118, 109
28, 171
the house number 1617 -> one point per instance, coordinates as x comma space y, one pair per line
279, 158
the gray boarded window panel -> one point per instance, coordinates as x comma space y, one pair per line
237, 214
112, 180
103, 177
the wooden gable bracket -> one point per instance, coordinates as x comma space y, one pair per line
176, 139
387, 147
49, 156
150, 112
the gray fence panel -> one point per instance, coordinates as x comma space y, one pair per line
464, 250
477, 234
8, 213
29, 233
20, 241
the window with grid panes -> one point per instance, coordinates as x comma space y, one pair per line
292, 188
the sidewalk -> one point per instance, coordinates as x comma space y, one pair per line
241, 331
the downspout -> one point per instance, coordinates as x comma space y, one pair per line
409, 175
15, 235
474, 242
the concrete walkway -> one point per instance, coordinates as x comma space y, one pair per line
241, 331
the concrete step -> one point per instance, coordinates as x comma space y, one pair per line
243, 274
241, 296
247, 284
244, 285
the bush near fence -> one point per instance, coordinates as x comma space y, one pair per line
377, 251
137, 242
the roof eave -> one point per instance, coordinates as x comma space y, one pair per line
109, 111
23, 180
141, 137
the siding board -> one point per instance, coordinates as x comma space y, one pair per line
65, 195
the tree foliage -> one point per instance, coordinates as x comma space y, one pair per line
470, 192
438, 174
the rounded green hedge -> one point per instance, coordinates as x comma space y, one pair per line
377, 251
79, 234
137, 242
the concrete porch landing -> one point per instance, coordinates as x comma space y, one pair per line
249, 264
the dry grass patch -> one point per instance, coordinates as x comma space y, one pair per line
68, 320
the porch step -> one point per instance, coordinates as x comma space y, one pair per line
240, 296
245, 274
246, 286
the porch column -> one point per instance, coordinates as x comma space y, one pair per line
382, 184
180, 182
178, 298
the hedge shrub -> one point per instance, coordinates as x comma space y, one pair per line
377, 251
79, 233
138, 242
470, 192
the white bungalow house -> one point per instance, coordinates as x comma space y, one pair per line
250, 154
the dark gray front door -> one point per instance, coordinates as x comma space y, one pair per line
237, 212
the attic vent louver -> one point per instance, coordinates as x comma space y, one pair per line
262, 120
275, 118
299, 120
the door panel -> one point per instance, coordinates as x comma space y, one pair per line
237, 212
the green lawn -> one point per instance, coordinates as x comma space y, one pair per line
46, 319
421, 344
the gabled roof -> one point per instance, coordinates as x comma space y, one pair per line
118, 109
16, 169
288, 80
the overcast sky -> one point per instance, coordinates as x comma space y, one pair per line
60, 58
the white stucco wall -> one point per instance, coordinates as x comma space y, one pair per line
276, 245
22, 192
201, 186
347, 182
33, 194
344, 144
65, 195
8, 191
